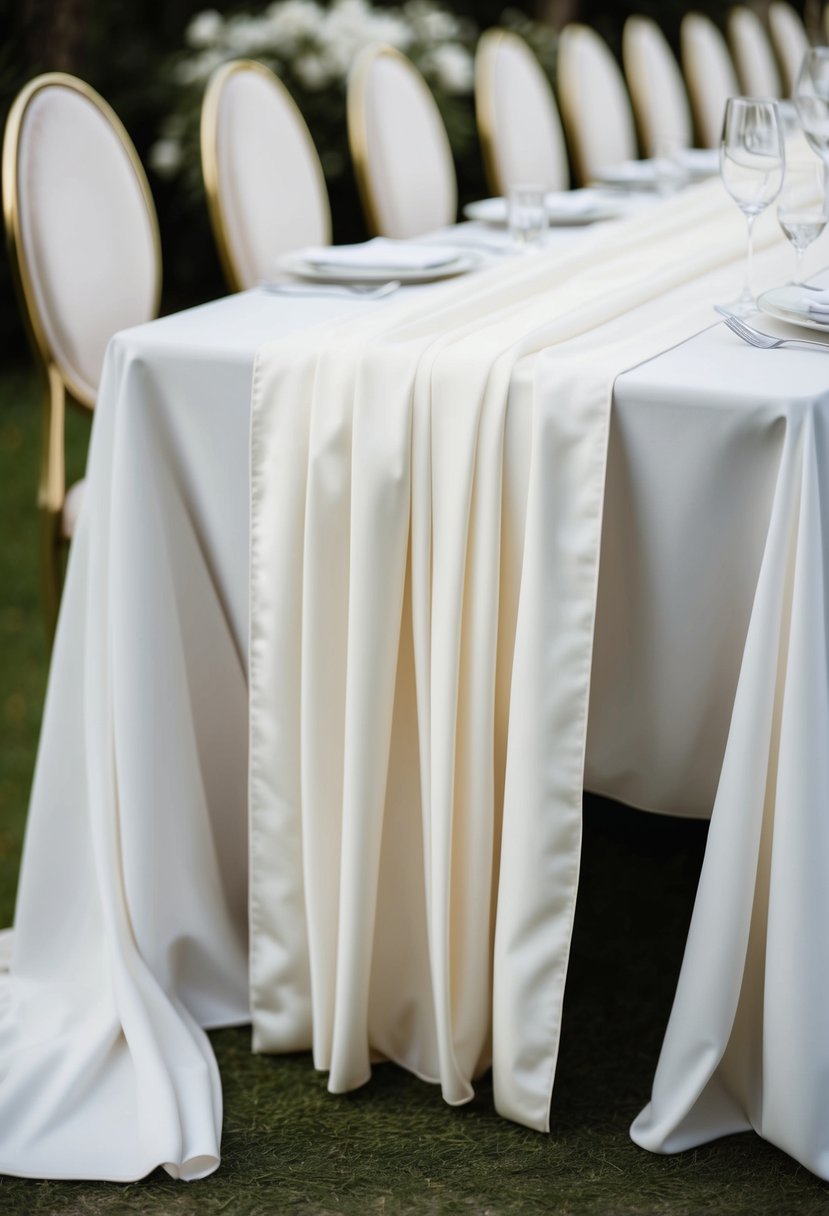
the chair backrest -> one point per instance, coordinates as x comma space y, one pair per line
791, 42
399, 146
753, 56
656, 87
81, 227
594, 102
709, 74
518, 121
266, 193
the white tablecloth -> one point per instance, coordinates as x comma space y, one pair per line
141, 780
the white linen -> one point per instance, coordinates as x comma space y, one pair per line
746, 1042
131, 926
381, 253
159, 618
416, 786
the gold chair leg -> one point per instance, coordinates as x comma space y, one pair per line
50, 495
51, 566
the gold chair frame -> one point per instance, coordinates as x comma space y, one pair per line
356, 123
642, 114
569, 106
211, 173
485, 55
60, 384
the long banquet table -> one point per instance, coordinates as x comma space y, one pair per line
708, 692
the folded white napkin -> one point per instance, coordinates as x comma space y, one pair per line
701, 162
561, 204
379, 254
575, 202
635, 172
817, 303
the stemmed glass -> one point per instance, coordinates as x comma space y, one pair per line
811, 96
751, 166
801, 208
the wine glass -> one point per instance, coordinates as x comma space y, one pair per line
801, 208
751, 167
811, 97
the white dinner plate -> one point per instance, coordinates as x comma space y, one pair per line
565, 209
790, 303
295, 264
694, 164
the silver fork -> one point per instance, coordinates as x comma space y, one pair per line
765, 341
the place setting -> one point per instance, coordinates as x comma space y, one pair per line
673, 167
532, 206
756, 174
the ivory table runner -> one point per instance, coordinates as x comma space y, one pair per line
420, 650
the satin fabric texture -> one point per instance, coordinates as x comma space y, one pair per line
420, 655
131, 927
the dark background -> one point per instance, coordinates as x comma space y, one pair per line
123, 47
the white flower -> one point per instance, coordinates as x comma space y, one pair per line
204, 30
386, 27
347, 27
197, 69
348, 22
351, 10
430, 23
165, 157
292, 21
313, 71
452, 66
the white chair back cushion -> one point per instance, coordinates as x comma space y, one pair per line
656, 87
791, 42
709, 74
753, 56
594, 102
86, 235
270, 185
517, 108
410, 174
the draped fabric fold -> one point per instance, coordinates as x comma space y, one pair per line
127, 942
418, 721
426, 513
746, 1026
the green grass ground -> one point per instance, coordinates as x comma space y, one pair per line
394, 1147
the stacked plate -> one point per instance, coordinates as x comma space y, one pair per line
378, 261
683, 165
799, 305
564, 208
